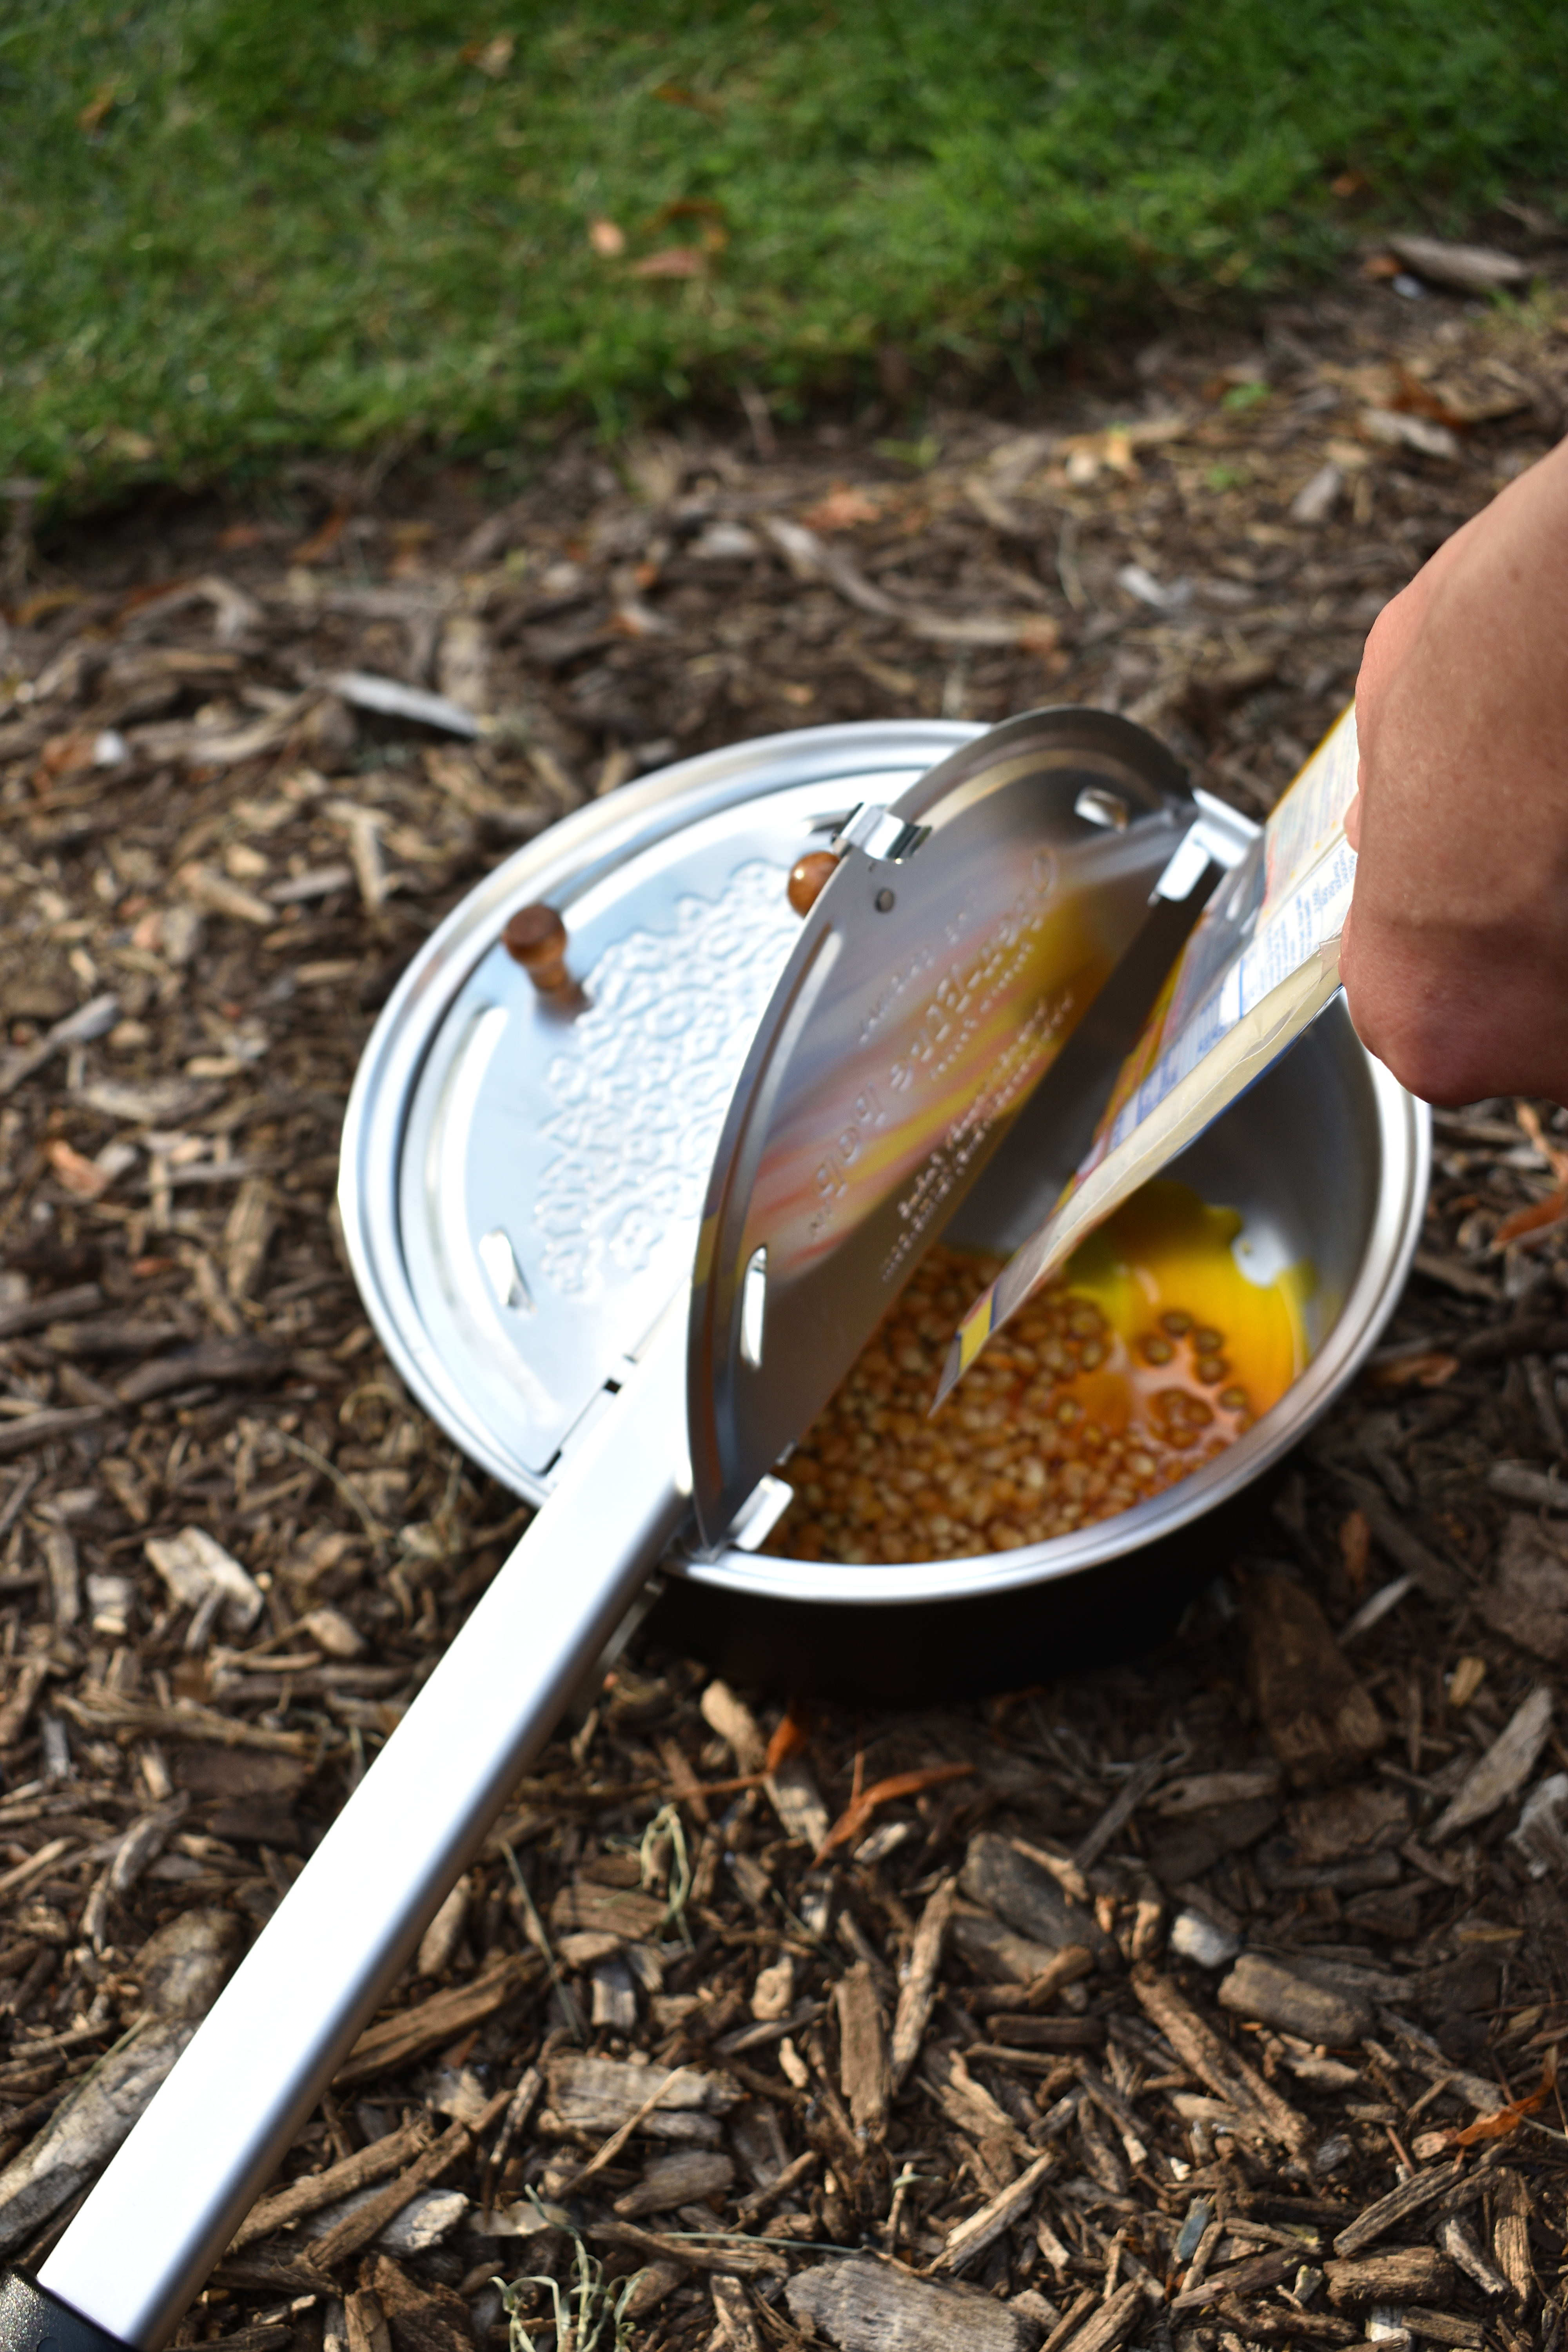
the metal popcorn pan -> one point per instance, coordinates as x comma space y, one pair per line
683, 877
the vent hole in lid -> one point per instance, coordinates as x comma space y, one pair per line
1096, 806
754, 1302
500, 1262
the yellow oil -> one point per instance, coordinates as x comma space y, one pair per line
1169, 1254
1145, 1358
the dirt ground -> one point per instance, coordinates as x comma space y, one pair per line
1214, 1998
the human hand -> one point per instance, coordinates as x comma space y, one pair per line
1455, 953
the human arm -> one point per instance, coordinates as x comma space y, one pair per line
1456, 953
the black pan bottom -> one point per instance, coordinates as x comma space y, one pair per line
925, 1651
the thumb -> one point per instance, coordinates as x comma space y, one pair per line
1350, 969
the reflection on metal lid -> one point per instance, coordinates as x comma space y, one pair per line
498, 1259
903, 1037
753, 1301
1097, 807
523, 1178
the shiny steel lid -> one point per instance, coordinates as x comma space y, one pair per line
521, 1185
971, 920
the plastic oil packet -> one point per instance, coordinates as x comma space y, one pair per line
1262, 962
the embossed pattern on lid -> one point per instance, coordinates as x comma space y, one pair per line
524, 1173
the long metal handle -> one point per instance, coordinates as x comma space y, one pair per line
142, 2245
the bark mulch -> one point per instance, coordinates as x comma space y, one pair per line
1213, 1998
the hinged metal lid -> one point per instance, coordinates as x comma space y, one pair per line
970, 922
522, 1180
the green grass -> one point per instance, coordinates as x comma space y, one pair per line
295, 225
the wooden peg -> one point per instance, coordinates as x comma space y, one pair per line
808, 879
536, 939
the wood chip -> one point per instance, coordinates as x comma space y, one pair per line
800, 2169
1213, 2061
811, 559
393, 699
748, 2260
225, 1361
1468, 269
1112, 2324
1357, 1819
78, 1028
1443, 2326
1320, 1721
1527, 1603
868, 2306
1019, 1891
1458, 2241
1387, 2213
316, 2191
1542, 1487
57, 1307
599, 2094
918, 1994
797, 1801
364, 2323
737, 2328
1140, 1783
425, 2316
206, 887
438, 1944
16, 1712
182, 1971
1511, 2237
1502, 1771
683, 2179
1050, 2033
1269, 1994
98, 1710
359, 2227
1239, 2278
247, 1235
970, 2238
968, 2104
1402, 2275
586, 1907
36, 1429
734, 1723
394, 2041
654, 2280
863, 2051
1195, 1792
1433, 1577
998, 1953
197, 1568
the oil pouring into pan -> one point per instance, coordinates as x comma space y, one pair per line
624, 1225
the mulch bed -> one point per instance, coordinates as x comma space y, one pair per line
1212, 1998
